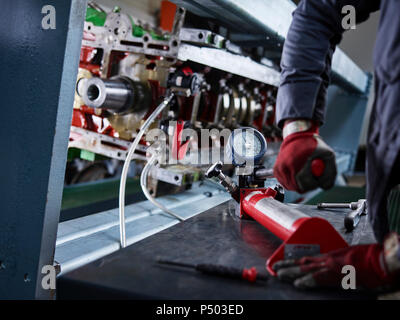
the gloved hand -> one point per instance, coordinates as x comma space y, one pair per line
305, 162
375, 266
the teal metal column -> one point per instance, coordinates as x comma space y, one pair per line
37, 80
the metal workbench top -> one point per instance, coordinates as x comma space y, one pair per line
215, 236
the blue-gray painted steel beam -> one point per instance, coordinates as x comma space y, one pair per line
37, 79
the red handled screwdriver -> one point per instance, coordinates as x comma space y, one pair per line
250, 275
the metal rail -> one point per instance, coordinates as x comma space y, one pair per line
266, 23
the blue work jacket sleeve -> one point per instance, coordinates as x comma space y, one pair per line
315, 31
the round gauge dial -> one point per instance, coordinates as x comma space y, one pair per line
247, 144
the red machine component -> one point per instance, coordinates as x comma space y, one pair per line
115, 58
86, 119
167, 16
258, 122
292, 226
85, 61
79, 119
179, 147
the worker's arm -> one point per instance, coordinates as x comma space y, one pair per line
305, 162
315, 31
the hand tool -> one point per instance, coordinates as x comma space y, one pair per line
352, 218
249, 275
351, 205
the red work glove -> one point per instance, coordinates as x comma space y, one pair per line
305, 162
375, 266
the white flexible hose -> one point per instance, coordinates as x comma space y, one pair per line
128, 160
143, 184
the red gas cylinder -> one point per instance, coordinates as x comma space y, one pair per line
295, 228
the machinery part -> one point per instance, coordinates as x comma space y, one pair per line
254, 110
268, 113
266, 22
251, 105
244, 108
180, 14
202, 37
185, 81
179, 147
280, 193
234, 109
246, 146
93, 172
121, 33
189, 83
118, 25
195, 108
83, 167
102, 144
249, 275
129, 157
119, 94
216, 171
174, 175
82, 75
244, 104
95, 14
94, 5
230, 107
225, 107
143, 184
294, 227
290, 225
218, 108
223, 102
226, 101
249, 179
229, 62
172, 179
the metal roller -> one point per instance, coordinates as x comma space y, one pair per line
234, 108
254, 110
119, 94
255, 107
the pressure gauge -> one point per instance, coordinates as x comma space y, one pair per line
246, 146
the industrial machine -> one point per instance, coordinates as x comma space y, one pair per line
162, 89
126, 68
